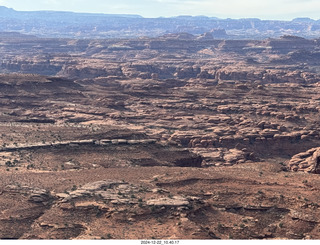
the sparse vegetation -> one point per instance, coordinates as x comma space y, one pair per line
10, 164
195, 125
29, 166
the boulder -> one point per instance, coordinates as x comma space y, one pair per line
234, 156
35, 195
39, 196
269, 133
308, 161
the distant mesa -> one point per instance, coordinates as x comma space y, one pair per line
206, 36
210, 35
7, 12
219, 33
184, 17
291, 37
198, 17
101, 26
10, 12
303, 20
182, 35
4, 9
5, 35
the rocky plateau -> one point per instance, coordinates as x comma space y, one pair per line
182, 136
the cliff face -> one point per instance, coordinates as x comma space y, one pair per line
290, 43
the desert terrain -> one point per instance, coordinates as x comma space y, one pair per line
176, 137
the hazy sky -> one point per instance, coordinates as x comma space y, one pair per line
264, 9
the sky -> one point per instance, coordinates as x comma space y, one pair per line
263, 9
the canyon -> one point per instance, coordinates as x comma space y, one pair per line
180, 136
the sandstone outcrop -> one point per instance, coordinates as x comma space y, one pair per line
308, 161
35, 195
116, 192
174, 201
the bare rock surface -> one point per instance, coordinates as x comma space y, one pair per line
306, 161
174, 201
35, 195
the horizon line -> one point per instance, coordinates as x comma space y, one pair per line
159, 17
